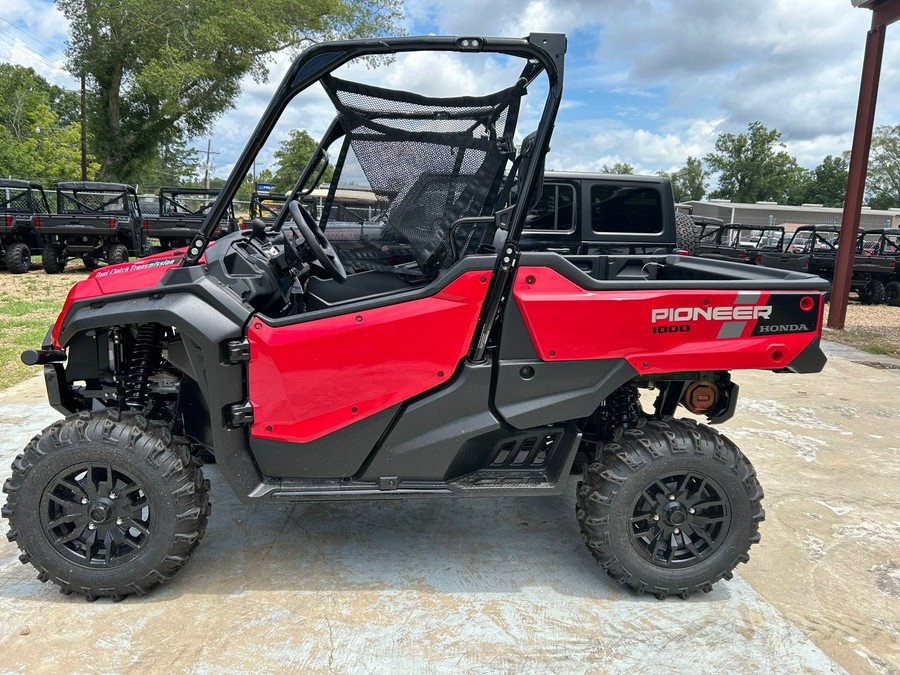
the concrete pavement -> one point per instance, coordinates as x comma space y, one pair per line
506, 585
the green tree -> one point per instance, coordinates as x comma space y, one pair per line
827, 182
22, 90
292, 156
173, 164
754, 167
618, 168
688, 182
161, 71
36, 140
883, 179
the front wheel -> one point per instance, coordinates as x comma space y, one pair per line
670, 507
892, 294
106, 504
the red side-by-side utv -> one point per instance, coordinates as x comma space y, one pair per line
472, 368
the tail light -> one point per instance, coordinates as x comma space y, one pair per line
146, 224
9, 221
112, 223
758, 259
806, 263
743, 255
37, 221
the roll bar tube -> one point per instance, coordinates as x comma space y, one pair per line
548, 49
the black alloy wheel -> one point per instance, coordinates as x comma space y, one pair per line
669, 507
97, 516
106, 504
680, 520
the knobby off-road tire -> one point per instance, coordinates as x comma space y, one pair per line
892, 294
873, 293
18, 258
106, 504
53, 258
671, 507
686, 237
89, 262
116, 254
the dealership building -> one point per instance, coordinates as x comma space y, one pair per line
790, 217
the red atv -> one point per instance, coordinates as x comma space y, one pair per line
469, 369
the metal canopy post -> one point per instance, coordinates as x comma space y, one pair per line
884, 13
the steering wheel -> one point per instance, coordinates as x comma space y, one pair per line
317, 242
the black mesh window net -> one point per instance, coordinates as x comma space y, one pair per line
429, 161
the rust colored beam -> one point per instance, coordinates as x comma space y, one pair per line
886, 13
859, 164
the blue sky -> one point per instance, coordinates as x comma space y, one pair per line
648, 82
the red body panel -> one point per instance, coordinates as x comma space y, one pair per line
131, 276
567, 322
310, 379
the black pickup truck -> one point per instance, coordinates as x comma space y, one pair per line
577, 214
813, 248
22, 205
179, 213
588, 213
94, 221
741, 243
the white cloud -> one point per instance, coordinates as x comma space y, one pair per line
648, 82
32, 34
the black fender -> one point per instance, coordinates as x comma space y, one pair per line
207, 316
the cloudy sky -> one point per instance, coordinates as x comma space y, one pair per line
648, 82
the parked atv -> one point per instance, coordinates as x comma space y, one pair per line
22, 204
98, 222
178, 215
884, 244
473, 370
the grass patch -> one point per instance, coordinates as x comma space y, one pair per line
883, 341
29, 303
878, 349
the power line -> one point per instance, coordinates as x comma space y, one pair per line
13, 42
22, 30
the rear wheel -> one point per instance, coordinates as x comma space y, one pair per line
116, 254
53, 258
686, 236
671, 507
89, 262
892, 293
873, 293
18, 258
106, 504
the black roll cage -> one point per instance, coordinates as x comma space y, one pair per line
542, 51
546, 49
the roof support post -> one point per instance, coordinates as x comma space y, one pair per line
859, 164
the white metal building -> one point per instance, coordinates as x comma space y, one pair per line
772, 213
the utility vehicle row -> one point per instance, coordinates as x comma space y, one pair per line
810, 248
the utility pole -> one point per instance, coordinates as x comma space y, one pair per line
207, 167
83, 133
206, 171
